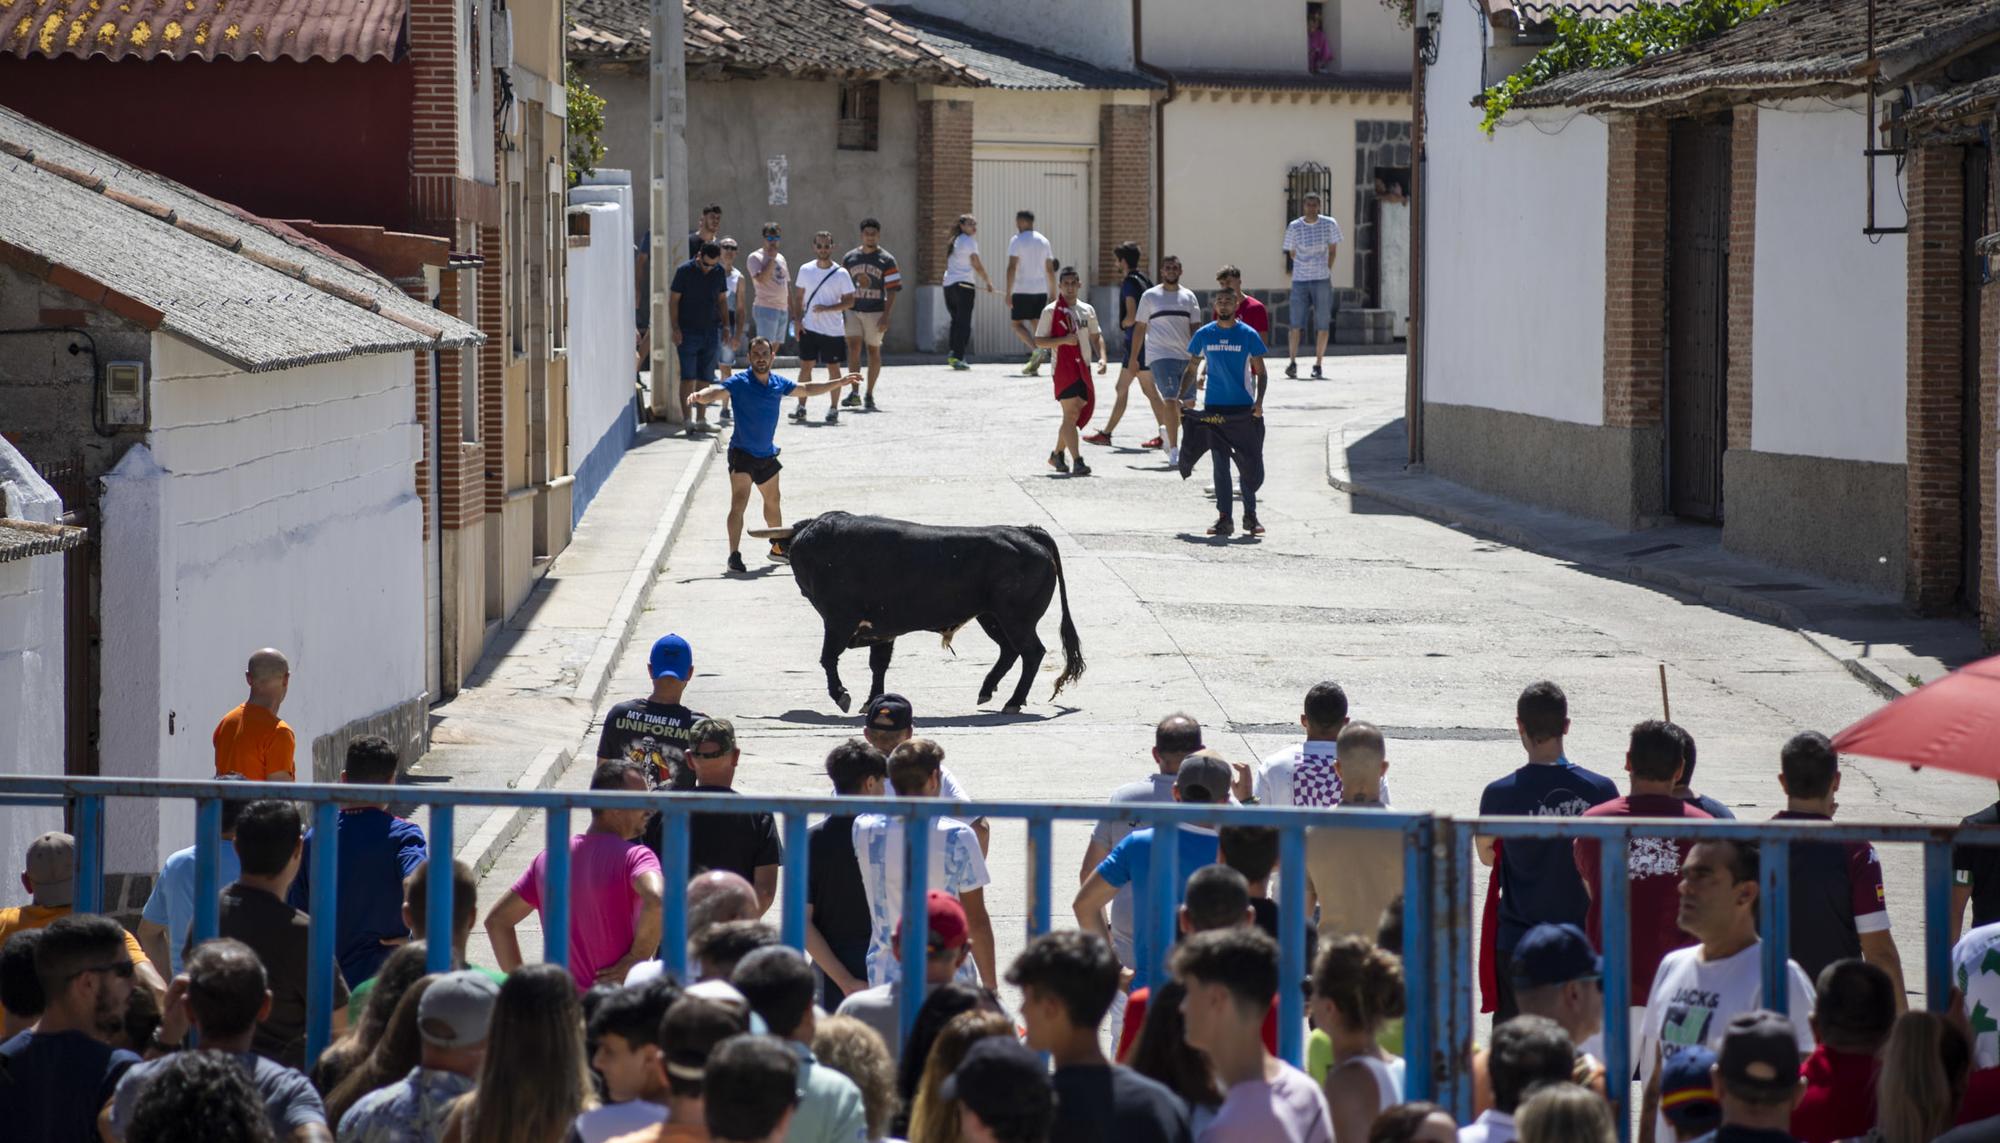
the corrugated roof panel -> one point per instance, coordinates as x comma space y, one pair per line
204, 29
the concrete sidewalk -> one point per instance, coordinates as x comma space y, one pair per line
1878, 639
526, 710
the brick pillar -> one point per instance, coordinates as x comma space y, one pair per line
416, 289
434, 115
1635, 274
1989, 453
1742, 269
492, 367
944, 180
1124, 182
1933, 385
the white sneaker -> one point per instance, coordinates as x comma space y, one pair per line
1173, 458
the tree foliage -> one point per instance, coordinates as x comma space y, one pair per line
1589, 42
586, 127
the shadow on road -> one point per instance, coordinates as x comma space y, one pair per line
798, 717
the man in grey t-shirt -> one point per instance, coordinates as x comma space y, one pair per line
1176, 737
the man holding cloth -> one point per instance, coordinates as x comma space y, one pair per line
1231, 422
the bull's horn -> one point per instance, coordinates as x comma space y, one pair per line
771, 533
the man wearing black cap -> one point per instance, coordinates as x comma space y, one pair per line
1757, 1072
1004, 1093
889, 722
1557, 974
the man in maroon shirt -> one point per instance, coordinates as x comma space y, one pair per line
1249, 310
1853, 1009
1653, 759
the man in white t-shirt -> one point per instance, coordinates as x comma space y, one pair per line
1312, 242
821, 295
1699, 989
1031, 274
1975, 969
1302, 774
956, 864
1162, 323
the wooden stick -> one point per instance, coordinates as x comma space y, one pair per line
1666, 708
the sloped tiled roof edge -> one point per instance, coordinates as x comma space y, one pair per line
758, 38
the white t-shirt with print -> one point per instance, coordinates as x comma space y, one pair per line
956, 865
1031, 272
958, 260
1170, 313
1979, 981
1694, 999
838, 285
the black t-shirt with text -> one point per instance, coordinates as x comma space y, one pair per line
640, 731
1099, 1104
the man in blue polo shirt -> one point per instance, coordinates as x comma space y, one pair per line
378, 852
1230, 353
758, 395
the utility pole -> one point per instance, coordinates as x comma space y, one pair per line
668, 203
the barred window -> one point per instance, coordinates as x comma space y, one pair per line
860, 115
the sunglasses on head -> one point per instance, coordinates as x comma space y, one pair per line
710, 755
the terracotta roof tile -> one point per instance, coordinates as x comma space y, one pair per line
204, 29
752, 38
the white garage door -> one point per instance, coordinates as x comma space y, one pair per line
1058, 191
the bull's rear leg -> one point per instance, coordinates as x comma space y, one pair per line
837, 635
878, 663
1024, 640
1007, 657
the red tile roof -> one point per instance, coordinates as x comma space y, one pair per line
203, 29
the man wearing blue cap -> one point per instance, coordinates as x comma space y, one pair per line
1556, 973
654, 731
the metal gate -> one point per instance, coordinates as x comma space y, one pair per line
1697, 317
1058, 191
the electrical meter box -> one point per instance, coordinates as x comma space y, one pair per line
125, 393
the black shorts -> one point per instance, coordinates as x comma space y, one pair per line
1077, 389
758, 468
1028, 307
822, 348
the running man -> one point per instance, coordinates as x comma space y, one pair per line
1134, 287
1231, 422
1161, 327
1313, 243
822, 292
1066, 326
876, 283
753, 450
1031, 270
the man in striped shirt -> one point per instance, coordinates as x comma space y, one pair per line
1313, 243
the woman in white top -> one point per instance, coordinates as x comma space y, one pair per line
1357, 988
961, 263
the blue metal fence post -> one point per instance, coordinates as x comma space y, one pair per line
1420, 1004
673, 857
439, 898
1041, 881
1164, 882
1454, 929
798, 857
1937, 924
321, 963
207, 871
1292, 944
915, 946
89, 854
1774, 923
555, 888
1614, 913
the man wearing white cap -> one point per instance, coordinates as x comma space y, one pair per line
452, 1019
50, 878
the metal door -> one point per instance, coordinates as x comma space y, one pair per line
1697, 317
1058, 191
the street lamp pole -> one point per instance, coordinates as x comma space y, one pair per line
668, 197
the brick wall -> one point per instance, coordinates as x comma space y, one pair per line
492, 366
1742, 269
1989, 451
1635, 274
1933, 385
944, 179
1124, 182
434, 114
422, 367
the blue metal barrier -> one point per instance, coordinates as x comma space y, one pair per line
1439, 873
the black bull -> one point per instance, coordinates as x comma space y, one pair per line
872, 579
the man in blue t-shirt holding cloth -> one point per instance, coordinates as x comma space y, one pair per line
758, 396
1539, 884
1231, 423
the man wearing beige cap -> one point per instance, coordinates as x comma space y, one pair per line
50, 878
452, 1019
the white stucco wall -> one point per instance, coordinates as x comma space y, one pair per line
602, 331
1263, 36
1099, 31
31, 664
1829, 326
265, 509
1514, 249
1371, 38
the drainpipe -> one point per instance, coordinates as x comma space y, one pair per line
1159, 128
1413, 397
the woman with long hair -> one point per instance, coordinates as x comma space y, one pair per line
1162, 1053
938, 1008
856, 1051
200, 1097
346, 1054
933, 1118
961, 264
400, 1048
536, 1079
1357, 988
1565, 1113
1924, 1069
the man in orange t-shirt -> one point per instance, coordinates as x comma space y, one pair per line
252, 740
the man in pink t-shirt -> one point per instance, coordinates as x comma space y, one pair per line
615, 891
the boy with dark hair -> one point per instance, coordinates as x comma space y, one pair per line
689, 1035
1303, 774
21, 993
722, 946
1253, 852
1839, 909
1067, 980
837, 924
1231, 977
270, 844
1538, 881
378, 852
779, 984
1684, 789
1527, 1051
625, 1051
1217, 897
1003, 1093
61, 1073
1853, 1009
416, 901
750, 1080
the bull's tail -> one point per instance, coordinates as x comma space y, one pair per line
1071, 645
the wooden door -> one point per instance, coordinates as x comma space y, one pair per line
1697, 317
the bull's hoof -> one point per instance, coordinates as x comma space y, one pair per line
1011, 708
843, 700
985, 696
